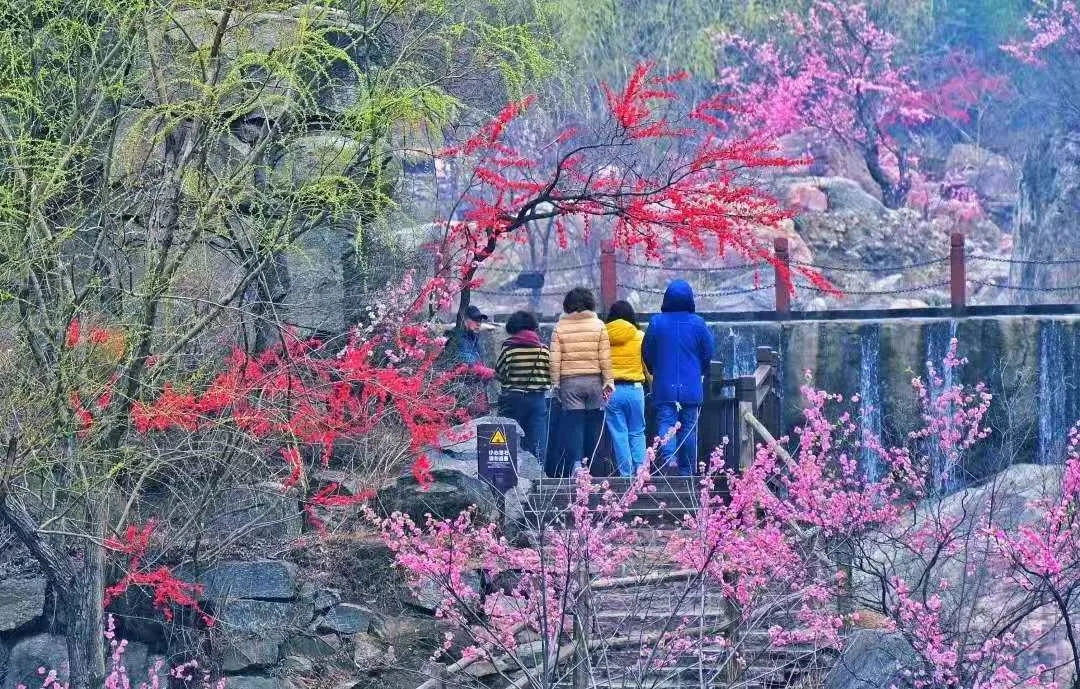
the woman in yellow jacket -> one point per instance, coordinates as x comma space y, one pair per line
581, 377
626, 408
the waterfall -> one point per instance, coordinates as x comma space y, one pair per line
739, 349
938, 337
1053, 424
870, 397
743, 353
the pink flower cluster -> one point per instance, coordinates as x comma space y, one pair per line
756, 539
118, 676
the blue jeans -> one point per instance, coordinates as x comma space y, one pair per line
626, 426
685, 442
530, 410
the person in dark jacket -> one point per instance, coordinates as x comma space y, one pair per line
463, 347
524, 378
463, 341
677, 350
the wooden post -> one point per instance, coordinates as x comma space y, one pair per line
711, 426
746, 394
609, 283
957, 272
582, 628
782, 276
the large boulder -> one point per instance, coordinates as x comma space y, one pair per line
994, 177
345, 618
22, 600
253, 631
142, 666
265, 619
315, 155
262, 579
316, 282
1047, 215
261, 511
41, 651
457, 485
974, 592
873, 659
245, 653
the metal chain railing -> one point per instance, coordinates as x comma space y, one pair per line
1025, 288
871, 269
724, 293
558, 269
900, 290
1025, 261
954, 285
681, 269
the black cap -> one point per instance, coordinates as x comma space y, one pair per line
474, 314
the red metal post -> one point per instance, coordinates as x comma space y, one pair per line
608, 278
782, 276
957, 272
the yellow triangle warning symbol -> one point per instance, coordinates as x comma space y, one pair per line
498, 438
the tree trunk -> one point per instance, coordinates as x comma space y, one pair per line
86, 619
80, 590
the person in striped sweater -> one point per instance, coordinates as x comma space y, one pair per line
523, 370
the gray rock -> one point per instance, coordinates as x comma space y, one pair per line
1047, 215
325, 599
313, 156
345, 618
873, 659
264, 579
141, 665
316, 288
309, 646
249, 653
254, 682
293, 666
258, 511
430, 593
368, 654
262, 619
993, 176
21, 601
450, 493
404, 630
42, 650
846, 195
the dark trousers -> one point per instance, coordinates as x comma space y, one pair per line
530, 410
579, 434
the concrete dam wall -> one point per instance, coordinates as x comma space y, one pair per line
1028, 362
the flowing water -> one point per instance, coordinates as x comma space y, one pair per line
938, 337
870, 397
1053, 424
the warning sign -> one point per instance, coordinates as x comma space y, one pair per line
496, 454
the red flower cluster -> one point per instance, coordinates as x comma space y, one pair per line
298, 395
168, 590
699, 196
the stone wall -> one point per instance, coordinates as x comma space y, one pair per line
289, 606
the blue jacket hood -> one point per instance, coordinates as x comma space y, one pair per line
679, 296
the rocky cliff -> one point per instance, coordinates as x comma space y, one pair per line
1048, 221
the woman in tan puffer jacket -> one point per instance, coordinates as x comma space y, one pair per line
581, 375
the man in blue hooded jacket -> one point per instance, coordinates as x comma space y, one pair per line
677, 350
